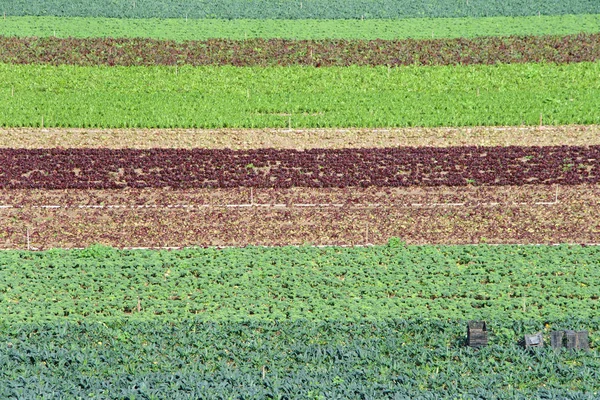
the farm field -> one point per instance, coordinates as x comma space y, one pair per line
289, 9
322, 53
296, 321
299, 139
299, 97
181, 29
489, 216
251, 199
291, 283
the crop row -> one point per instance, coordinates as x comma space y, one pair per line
222, 168
299, 97
292, 360
290, 283
296, 9
570, 221
181, 29
350, 196
280, 52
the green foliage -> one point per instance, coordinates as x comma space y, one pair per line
301, 359
290, 283
296, 322
296, 9
212, 97
181, 29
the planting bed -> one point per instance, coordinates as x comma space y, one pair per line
239, 217
298, 96
289, 322
322, 53
299, 139
181, 29
383, 167
312, 9
327, 206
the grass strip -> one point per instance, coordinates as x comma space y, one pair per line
299, 97
180, 29
282, 53
294, 9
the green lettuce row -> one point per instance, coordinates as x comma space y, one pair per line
296, 9
435, 282
182, 29
394, 358
210, 97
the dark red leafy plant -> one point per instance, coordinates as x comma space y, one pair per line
318, 168
283, 52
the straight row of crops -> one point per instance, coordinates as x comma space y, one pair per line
296, 9
502, 283
393, 359
292, 97
383, 167
292, 322
322, 53
239, 29
52, 225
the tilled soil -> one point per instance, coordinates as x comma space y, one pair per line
538, 218
245, 139
263, 197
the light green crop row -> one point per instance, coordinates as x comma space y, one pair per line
515, 94
182, 29
500, 283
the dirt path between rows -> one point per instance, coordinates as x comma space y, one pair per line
241, 139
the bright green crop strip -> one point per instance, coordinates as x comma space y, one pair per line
501, 283
299, 96
181, 29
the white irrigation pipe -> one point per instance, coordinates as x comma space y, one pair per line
314, 246
167, 207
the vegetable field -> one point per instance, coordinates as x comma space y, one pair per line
299, 97
181, 29
295, 322
250, 199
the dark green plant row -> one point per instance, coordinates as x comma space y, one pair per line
392, 359
299, 97
296, 9
181, 29
321, 53
290, 283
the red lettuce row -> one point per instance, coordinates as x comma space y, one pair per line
272, 52
270, 168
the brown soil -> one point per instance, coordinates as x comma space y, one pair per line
299, 139
303, 197
516, 219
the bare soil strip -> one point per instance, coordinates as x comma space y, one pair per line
246, 139
388, 197
572, 219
